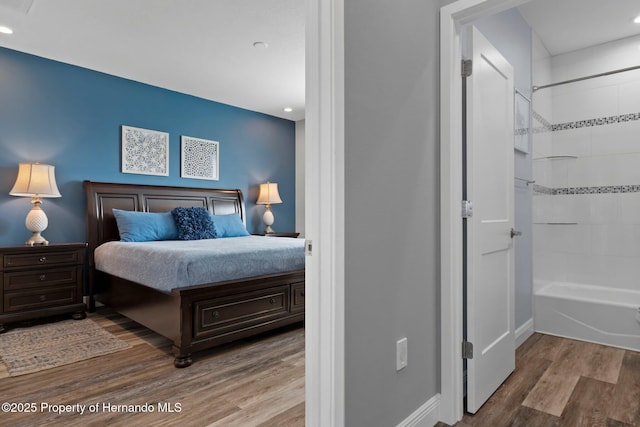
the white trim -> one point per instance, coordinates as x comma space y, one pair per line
452, 17
324, 211
524, 332
425, 416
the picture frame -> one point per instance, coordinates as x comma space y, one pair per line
200, 158
145, 151
522, 122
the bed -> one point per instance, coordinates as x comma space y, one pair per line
194, 317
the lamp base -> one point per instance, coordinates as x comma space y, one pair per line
268, 219
36, 222
36, 239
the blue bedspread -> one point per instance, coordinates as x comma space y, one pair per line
165, 265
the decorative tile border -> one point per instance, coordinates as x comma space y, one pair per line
596, 122
545, 125
540, 189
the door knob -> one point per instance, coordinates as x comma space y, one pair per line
515, 233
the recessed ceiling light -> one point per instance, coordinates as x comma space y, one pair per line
287, 109
5, 30
637, 19
260, 45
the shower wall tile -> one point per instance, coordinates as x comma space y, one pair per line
549, 266
598, 121
572, 208
579, 173
572, 142
585, 104
583, 268
599, 270
542, 146
541, 208
604, 208
606, 170
619, 240
628, 211
575, 239
630, 95
619, 138
560, 172
542, 171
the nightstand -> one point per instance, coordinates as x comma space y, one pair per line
41, 281
292, 234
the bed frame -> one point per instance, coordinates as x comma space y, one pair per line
196, 317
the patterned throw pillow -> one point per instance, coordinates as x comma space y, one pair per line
194, 223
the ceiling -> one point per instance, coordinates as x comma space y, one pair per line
198, 47
568, 25
206, 47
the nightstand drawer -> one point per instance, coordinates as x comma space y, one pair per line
40, 259
39, 298
42, 278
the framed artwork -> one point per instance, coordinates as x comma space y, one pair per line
522, 119
145, 151
200, 158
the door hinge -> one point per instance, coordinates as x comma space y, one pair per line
467, 209
467, 67
308, 247
467, 350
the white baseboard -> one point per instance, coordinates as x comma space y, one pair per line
524, 332
426, 415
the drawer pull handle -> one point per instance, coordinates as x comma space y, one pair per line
43, 277
43, 259
272, 301
43, 297
216, 315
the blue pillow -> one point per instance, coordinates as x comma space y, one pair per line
194, 223
229, 225
145, 226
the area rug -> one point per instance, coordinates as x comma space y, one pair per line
41, 347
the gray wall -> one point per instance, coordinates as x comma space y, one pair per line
510, 34
392, 206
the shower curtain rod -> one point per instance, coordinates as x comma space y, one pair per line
621, 70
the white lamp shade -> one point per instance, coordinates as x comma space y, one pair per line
35, 179
268, 194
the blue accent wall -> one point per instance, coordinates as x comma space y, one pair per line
71, 117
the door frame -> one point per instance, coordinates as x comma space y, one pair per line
452, 18
324, 213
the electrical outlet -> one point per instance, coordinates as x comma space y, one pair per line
401, 353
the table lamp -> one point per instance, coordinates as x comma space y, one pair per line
37, 181
268, 195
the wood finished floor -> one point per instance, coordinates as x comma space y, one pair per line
563, 382
253, 382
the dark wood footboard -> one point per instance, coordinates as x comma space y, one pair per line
201, 317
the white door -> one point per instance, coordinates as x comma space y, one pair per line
490, 260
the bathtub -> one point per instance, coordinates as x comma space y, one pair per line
588, 313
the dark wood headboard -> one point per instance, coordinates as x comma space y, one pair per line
102, 197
